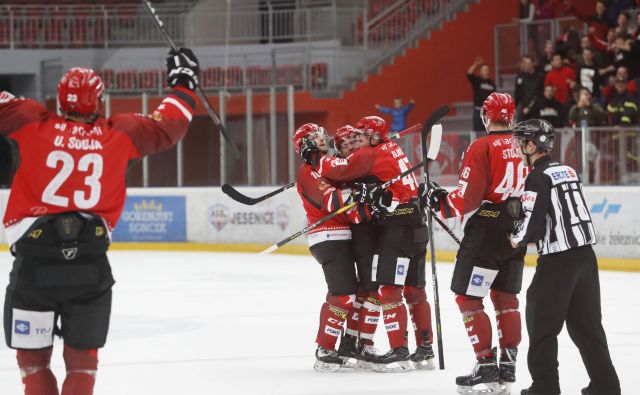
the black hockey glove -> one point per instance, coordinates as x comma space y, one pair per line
309, 152
182, 68
431, 194
367, 193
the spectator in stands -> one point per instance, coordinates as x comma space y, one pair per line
568, 45
588, 72
585, 110
615, 8
482, 86
547, 108
529, 85
627, 54
623, 74
598, 23
623, 107
599, 56
545, 60
622, 25
572, 101
547, 9
560, 77
398, 113
636, 33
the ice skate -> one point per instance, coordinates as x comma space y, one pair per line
484, 379
327, 361
367, 355
508, 368
423, 357
395, 360
348, 352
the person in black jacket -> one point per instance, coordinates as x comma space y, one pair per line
547, 108
482, 87
529, 85
565, 287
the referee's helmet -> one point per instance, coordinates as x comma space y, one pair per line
538, 131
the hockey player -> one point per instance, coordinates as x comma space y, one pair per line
385, 249
329, 243
565, 286
491, 178
67, 196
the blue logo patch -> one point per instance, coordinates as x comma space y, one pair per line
477, 279
22, 327
605, 209
400, 270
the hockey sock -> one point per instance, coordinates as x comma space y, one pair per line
507, 319
420, 312
332, 317
394, 314
37, 378
82, 366
368, 317
477, 323
353, 315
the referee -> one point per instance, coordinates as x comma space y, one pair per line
565, 286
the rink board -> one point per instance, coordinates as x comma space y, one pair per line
207, 220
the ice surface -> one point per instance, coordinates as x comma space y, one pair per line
213, 323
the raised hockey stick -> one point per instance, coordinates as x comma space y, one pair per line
199, 91
249, 201
430, 125
335, 213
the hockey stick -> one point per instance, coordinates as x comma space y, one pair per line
444, 226
434, 145
199, 91
335, 213
249, 201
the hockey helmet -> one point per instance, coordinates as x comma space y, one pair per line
538, 131
372, 126
343, 134
498, 108
80, 92
307, 131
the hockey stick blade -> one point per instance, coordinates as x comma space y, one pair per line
199, 91
434, 141
249, 201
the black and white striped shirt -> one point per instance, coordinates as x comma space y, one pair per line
557, 218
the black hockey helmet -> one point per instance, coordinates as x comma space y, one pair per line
538, 131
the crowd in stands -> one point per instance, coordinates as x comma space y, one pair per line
590, 77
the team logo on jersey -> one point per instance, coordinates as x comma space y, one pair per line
22, 327
99, 231
219, 216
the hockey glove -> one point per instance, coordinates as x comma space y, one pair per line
367, 193
431, 194
309, 152
182, 68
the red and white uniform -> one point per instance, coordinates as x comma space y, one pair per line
491, 171
319, 198
73, 166
382, 162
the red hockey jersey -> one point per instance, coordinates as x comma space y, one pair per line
319, 198
380, 163
491, 171
72, 166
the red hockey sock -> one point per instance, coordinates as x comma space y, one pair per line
507, 319
353, 316
37, 378
477, 323
420, 312
368, 317
82, 366
332, 317
394, 314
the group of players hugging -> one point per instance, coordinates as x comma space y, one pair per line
373, 255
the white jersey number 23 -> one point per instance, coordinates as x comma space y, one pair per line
92, 180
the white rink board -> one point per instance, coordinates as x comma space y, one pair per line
212, 217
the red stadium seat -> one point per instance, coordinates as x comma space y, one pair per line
234, 76
54, 27
126, 80
148, 80
108, 78
212, 77
78, 28
318, 75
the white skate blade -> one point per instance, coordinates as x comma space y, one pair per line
394, 367
349, 363
484, 388
506, 388
324, 367
364, 365
426, 364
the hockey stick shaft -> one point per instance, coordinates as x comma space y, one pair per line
239, 197
428, 125
335, 213
199, 91
444, 226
